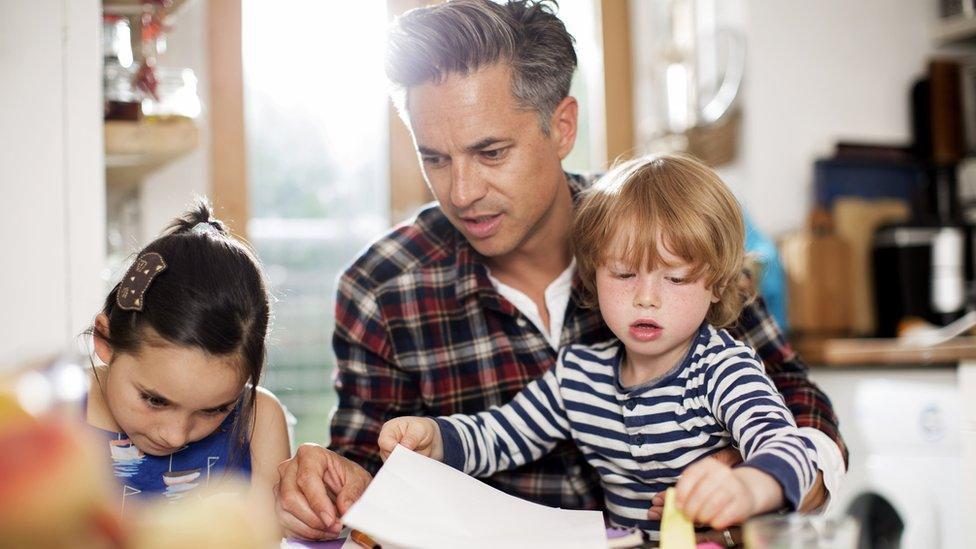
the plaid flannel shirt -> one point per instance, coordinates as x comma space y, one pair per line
420, 330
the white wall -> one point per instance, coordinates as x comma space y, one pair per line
166, 192
52, 221
818, 72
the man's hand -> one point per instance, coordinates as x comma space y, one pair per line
315, 488
729, 456
420, 434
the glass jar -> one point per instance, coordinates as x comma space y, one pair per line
122, 99
177, 92
798, 531
116, 40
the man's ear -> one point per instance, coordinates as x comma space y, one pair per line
103, 351
564, 124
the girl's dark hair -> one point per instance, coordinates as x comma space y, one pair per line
211, 296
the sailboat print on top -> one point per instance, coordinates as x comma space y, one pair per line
122, 449
141, 475
127, 491
179, 481
125, 456
211, 460
172, 478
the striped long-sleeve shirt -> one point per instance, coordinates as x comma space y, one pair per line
639, 439
422, 331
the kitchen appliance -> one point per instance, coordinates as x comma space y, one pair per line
968, 89
924, 268
904, 430
923, 271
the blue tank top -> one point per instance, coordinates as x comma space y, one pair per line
176, 475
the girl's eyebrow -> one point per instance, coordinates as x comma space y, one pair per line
224, 405
156, 395
152, 393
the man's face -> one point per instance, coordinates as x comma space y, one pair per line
496, 175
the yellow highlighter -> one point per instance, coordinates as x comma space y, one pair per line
677, 531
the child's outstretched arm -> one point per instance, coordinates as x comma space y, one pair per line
508, 436
420, 434
498, 439
780, 464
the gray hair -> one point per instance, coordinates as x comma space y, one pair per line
462, 36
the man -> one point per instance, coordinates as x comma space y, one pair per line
458, 309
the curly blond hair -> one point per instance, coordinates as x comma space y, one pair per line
679, 200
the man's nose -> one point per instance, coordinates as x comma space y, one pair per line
467, 187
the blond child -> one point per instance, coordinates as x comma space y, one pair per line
659, 247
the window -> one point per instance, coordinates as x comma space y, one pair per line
581, 18
316, 115
316, 120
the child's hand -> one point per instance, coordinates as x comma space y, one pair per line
712, 493
729, 456
420, 434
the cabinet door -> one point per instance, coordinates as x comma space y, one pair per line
51, 177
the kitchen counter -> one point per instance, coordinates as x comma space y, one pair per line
845, 352
908, 416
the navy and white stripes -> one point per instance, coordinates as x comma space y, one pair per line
640, 439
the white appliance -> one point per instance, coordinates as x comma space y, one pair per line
905, 431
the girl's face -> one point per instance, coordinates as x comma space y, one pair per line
655, 314
167, 396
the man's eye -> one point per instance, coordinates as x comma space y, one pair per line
432, 160
494, 154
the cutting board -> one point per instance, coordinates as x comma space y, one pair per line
855, 221
817, 265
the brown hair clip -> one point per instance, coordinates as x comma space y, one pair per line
137, 280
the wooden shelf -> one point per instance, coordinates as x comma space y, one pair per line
832, 352
136, 149
961, 28
134, 7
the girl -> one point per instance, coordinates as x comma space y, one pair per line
178, 352
659, 245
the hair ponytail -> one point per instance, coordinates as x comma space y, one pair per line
200, 212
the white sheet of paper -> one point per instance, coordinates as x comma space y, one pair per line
415, 501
